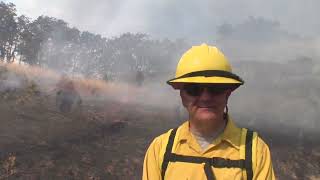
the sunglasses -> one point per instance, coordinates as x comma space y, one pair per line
194, 89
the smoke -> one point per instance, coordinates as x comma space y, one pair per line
258, 30
153, 94
174, 19
259, 39
268, 42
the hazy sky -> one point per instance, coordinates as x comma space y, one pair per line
174, 19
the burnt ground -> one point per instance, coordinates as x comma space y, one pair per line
107, 140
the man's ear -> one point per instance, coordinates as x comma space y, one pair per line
183, 99
228, 94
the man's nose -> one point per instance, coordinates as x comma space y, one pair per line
205, 95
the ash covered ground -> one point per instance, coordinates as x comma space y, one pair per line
105, 134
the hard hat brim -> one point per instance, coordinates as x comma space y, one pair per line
178, 83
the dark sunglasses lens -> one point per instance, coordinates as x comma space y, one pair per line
216, 89
196, 89
193, 89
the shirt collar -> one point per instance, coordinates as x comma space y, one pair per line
231, 134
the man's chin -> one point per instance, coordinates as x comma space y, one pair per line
206, 117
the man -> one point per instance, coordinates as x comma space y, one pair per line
139, 78
209, 145
67, 95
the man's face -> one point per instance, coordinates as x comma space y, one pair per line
205, 103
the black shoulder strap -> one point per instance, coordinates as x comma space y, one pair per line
217, 162
248, 156
168, 152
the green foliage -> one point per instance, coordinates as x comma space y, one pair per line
8, 31
50, 42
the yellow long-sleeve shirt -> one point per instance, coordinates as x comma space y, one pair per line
227, 146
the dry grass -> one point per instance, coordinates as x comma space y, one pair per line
39, 142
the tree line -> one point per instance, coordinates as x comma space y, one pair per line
50, 42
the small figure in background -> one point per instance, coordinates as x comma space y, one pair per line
3, 72
3, 78
67, 96
139, 78
106, 78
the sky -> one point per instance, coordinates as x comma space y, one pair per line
174, 19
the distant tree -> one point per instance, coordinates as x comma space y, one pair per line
33, 37
61, 47
225, 29
90, 54
133, 53
8, 32
124, 48
50, 42
254, 29
24, 37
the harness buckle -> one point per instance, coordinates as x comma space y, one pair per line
212, 161
219, 162
172, 157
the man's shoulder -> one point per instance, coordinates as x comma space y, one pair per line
163, 138
259, 142
262, 144
236, 130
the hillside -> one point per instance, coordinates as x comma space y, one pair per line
106, 135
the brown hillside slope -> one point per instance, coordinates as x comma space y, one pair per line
106, 138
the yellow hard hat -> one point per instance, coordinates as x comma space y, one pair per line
204, 64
